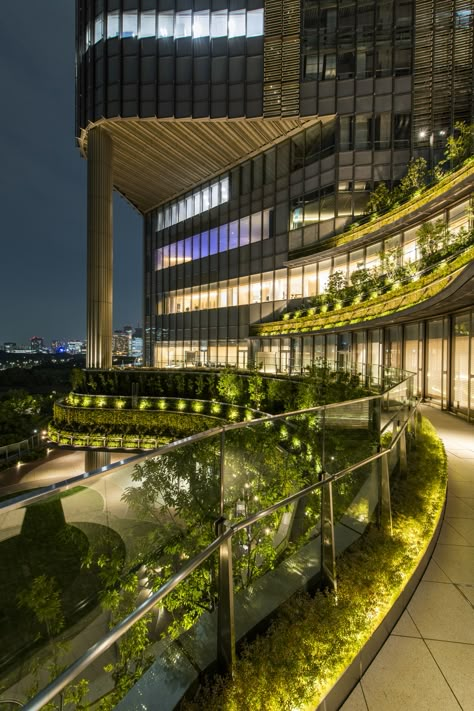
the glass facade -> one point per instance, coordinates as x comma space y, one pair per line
250, 235
446, 344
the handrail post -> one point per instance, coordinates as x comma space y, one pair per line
403, 453
221, 475
225, 606
328, 541
385, 508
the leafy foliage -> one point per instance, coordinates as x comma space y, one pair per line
460, 145
315, 638
380, 200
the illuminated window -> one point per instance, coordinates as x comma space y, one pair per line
255, 23
165, 24
219, 24
254, 228
147, 24
113, 25
99, 28
237, 23
129, 24
201, 23
183, 24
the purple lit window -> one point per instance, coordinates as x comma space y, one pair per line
213, 243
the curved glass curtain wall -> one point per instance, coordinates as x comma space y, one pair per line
122, 513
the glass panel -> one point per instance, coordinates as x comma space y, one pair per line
234, 234
201, 22
460, 394
256, 227
223, 238
182, 24
237, 23
435, 360
260, 467
129, 23
215, 195
113, 24
99, 28
219, 23
165, 24
213, 241
147, 24
244, 231
254, 23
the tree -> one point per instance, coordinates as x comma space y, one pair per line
229, 386
433, 239
414, 179
256, 390
43, 599
364, 281
380, 200
180, 492
460, 145
335, 286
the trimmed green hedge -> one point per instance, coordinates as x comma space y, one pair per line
129, 429
314, 639
397, 300
447, 183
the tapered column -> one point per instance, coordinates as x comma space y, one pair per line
99, 249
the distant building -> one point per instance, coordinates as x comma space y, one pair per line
120, 343
37, 343
9, 347
58, 346
75, 347
136, 346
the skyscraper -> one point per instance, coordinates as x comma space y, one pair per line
249, 134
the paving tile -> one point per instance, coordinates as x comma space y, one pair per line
405, 677
459, 507
463, 489
355, 701
456, 661
405, 627
468, 592
457, 562
434, 574
450, 535
466, 453
440, 612
463, 526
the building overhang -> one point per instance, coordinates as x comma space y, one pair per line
156, 160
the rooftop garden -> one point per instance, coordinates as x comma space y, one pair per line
373, 293
416, 189
125, 421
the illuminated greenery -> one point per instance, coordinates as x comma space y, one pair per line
394, 300
446, 183
315, 638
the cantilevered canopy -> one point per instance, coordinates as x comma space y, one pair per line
156, 159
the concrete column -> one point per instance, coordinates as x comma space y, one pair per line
99, 249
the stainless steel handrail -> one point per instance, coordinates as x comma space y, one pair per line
66, 484
71, 673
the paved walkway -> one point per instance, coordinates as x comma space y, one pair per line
427, 663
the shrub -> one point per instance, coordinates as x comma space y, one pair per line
314, 639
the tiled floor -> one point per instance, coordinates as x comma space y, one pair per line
428, 660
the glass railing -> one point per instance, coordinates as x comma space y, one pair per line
186, 550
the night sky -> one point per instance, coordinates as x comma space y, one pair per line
43, 186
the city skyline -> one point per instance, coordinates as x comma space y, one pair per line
42, 289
